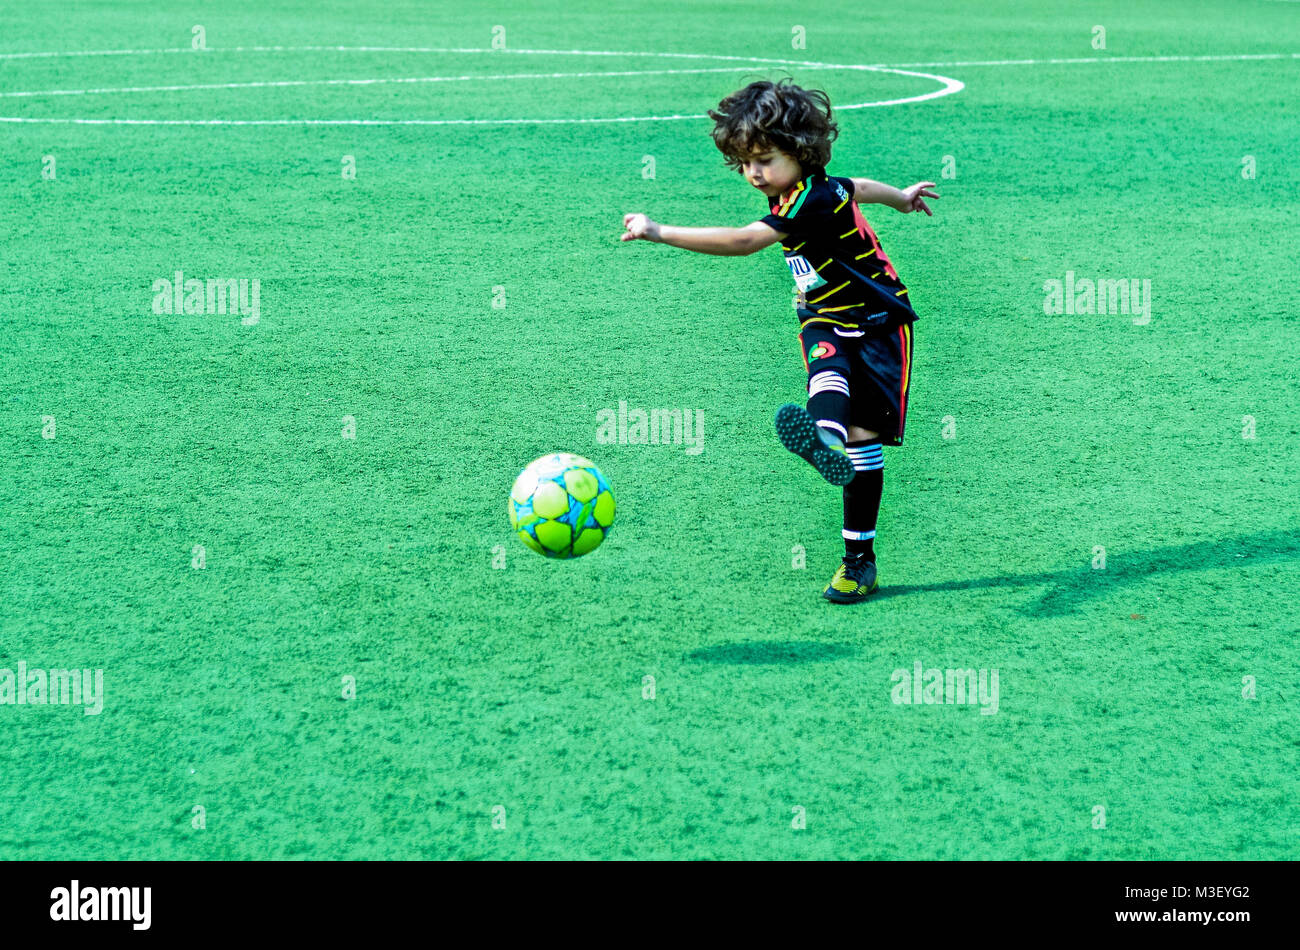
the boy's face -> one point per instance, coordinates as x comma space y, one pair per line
770, 170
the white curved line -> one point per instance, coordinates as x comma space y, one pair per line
278, 83
950, 86
947, 86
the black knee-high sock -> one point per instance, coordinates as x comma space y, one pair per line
862, 498
828, 402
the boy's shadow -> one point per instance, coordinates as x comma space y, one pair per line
1072, 586
784, 653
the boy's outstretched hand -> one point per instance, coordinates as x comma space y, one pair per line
639, 227
912, 198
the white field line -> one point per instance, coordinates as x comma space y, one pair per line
1219, 58
948, 85
383, 80
625, 73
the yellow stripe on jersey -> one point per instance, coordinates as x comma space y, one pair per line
837, 309
838, 323
829, 292
794, 195
868, 254
847, 233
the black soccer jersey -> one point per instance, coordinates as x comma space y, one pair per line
835, 257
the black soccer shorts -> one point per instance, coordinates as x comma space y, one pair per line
877, 366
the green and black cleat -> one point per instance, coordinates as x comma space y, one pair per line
806, 439
854, 580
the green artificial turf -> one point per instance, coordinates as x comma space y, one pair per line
524, 686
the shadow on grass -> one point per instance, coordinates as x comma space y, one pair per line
1073, 586
787, 653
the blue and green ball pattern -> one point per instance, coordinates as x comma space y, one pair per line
561, 506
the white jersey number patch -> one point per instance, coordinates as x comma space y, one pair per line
805, 278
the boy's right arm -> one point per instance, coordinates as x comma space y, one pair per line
728, 242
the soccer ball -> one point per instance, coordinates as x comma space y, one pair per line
561, 506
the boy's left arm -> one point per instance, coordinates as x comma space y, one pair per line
866, 191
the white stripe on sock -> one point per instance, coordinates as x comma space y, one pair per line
829, 381
868, 459
832, 424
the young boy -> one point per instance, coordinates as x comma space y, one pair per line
854, 316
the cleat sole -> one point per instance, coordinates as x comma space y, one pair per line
798, 433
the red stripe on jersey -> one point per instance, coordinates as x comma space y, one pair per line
864, 229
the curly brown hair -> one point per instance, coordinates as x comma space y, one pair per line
778, 115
